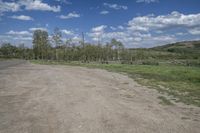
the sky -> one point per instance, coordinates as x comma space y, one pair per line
136, 23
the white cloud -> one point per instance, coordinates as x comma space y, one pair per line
17, 37
70, 15
147, 1
104, 12
19, 33
76, 39
27, 5
5, 38
173, 20
129, 38
39, 5
21, 38
120, 27
194, 31
118, 35
22, 17
99, 28
181, 33
64, 1
113, 28
67, 32
9, 6
115, 6
16, 40
137, 39
37, 28
97, 32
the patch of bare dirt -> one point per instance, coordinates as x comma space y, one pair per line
66, 99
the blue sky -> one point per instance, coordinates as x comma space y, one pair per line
137, 23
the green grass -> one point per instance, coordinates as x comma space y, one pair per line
4, 59
165, 101
182, 82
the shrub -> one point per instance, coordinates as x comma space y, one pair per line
150, 62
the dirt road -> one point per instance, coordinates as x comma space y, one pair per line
66, 99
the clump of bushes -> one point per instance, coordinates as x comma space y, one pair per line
192, 63
150, 62
126, 62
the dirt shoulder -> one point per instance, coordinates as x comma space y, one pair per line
66, 99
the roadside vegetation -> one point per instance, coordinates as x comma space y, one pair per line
173, 69
165, 101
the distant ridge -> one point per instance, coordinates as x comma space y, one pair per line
185, 46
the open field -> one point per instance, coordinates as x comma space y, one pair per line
58, 99
180, 82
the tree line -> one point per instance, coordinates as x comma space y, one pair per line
55, 49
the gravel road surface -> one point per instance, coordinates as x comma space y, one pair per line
65, 99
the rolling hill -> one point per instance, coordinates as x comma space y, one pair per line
191, 47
